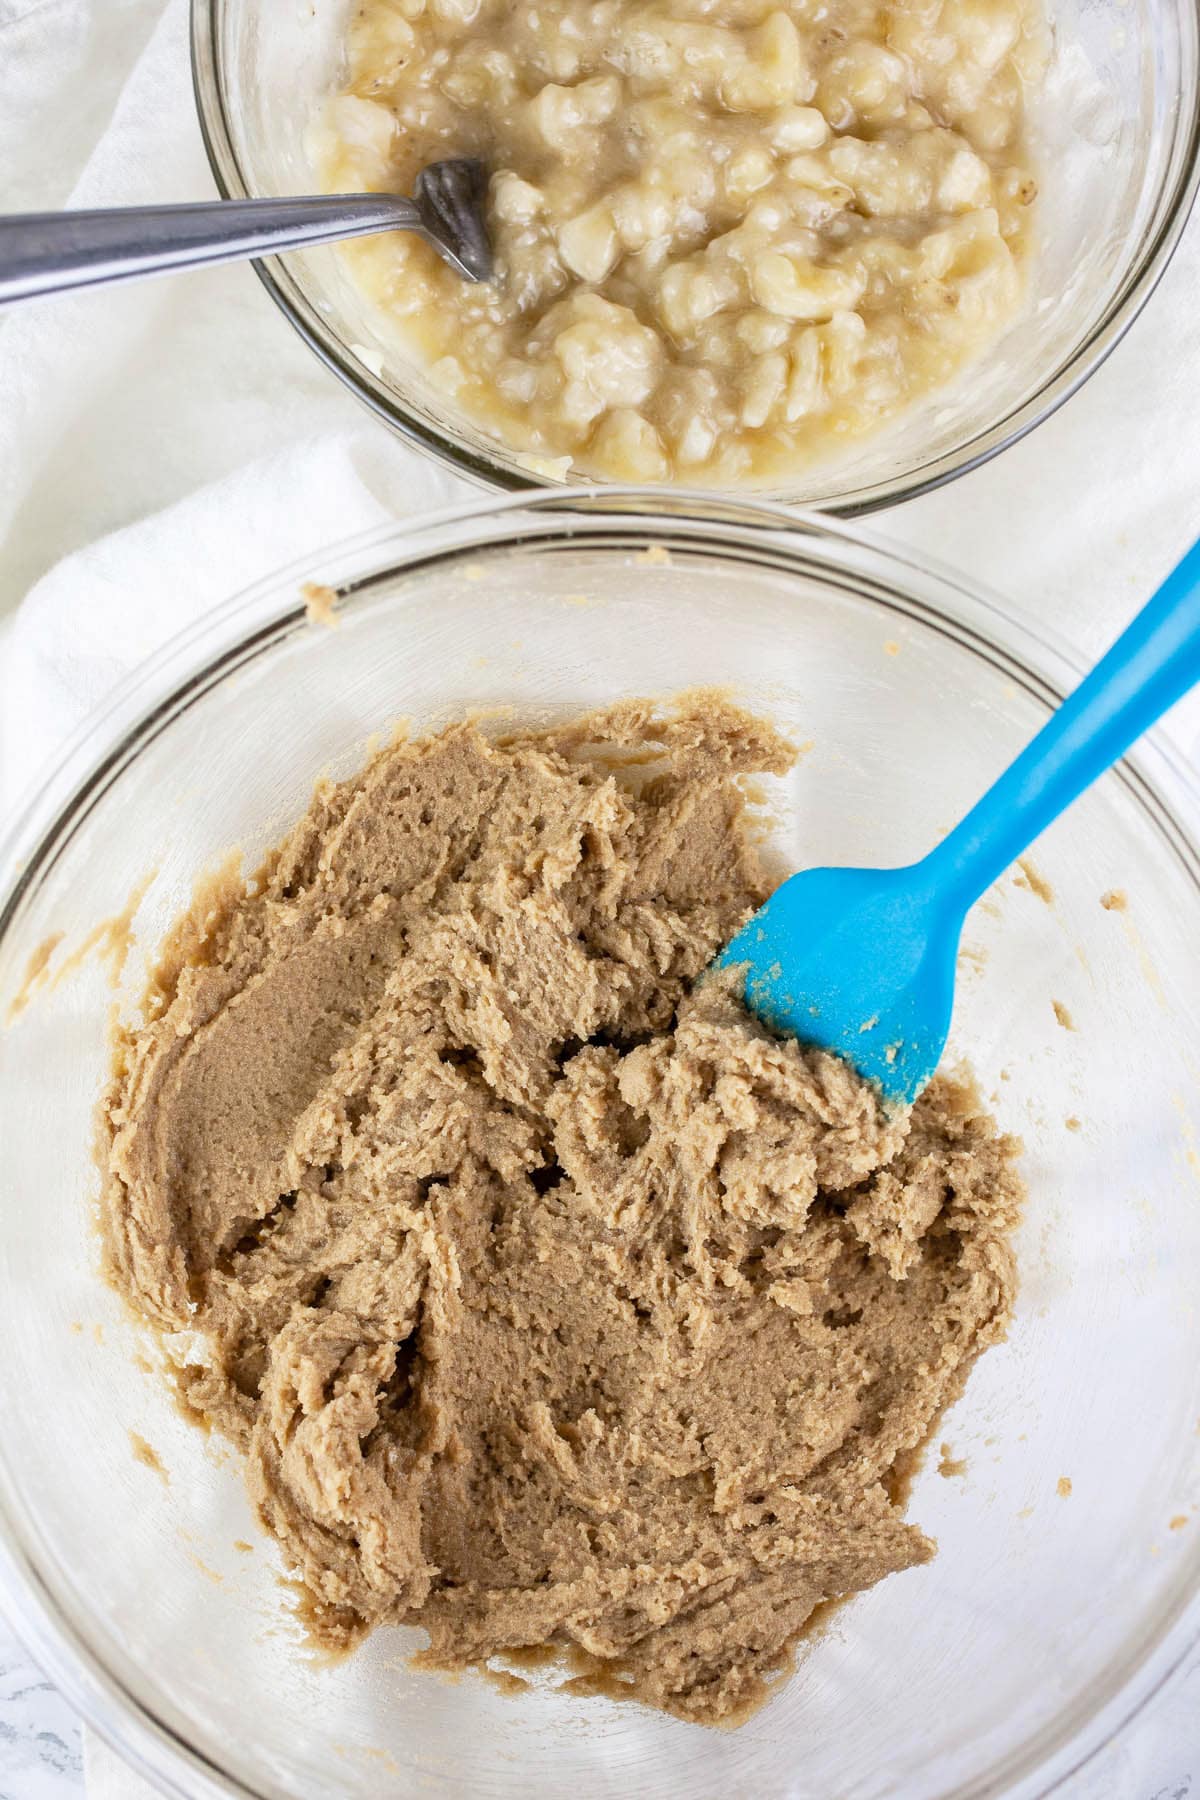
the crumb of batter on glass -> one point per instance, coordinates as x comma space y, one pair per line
320, 604
1178, 1522
111, 939
891, 648
1063, 1015
654, 555
203, 1568
1115, 900
949, 1465
549, 1298
1063, 1487
148, 1456
1072, 1123
1034, 880
37, 974
245, 1548
507, 1681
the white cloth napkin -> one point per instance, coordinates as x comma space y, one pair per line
162, 446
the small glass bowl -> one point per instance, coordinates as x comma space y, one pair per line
1116, 131
1067, 1586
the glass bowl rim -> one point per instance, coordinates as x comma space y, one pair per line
150, 695
1172, 210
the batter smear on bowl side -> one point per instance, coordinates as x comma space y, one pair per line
552, 1301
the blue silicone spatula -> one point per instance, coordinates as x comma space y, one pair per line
862, 961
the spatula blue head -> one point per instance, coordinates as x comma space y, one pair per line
861, 961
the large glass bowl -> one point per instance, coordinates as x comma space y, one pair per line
1047, 1618
1116, 129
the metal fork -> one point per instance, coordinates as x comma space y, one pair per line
51, 253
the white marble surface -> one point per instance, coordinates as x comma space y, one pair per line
41, 1754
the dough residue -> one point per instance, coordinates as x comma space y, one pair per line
36, 976
552, 1300
148, 1456
112, 940
951, 1467
1032, 878
320, 604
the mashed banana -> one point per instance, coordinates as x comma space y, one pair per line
732, 235
552, 1300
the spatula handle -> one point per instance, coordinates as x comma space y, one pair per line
1152, 665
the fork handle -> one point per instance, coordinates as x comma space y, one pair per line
51, 253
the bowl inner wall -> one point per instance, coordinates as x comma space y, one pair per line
1037, 1604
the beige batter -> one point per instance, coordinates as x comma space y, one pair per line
551, 1299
